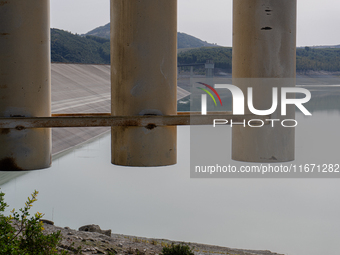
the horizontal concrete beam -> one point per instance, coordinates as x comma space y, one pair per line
104, 120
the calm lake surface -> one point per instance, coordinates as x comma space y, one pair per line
288, 216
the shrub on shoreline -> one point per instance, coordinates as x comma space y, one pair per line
177, 250
21, 234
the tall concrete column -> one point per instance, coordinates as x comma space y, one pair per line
25, 89
264, 56
144, 79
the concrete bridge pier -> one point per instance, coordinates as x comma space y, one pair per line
264, 56
25, 84
144, 79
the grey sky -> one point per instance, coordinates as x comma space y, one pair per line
209, 20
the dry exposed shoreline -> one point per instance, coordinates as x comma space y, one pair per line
97, 243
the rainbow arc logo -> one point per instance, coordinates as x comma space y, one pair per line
209, 93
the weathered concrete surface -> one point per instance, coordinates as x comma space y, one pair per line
144, 79
25, 82
78, 88
264, 56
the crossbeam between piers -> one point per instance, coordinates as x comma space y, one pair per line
105, 120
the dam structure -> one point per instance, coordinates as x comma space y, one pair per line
81, 88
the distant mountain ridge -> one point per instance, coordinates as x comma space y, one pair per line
183, 40
70, 48
89, 49
94, 47
307, 58
325, 46
102, 31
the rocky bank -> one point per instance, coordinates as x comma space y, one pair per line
86, 242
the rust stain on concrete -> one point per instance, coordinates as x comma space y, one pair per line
151, 126
4, 131
9, 164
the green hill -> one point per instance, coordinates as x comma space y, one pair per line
103, 31
70, 48
317, 59
94, 47
307, 59
220, 55
188, 41
183, 40
326, 46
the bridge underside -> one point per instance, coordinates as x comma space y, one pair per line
143, 78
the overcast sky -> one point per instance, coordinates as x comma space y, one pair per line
209, 20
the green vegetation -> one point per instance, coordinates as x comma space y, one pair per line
307, 59
177, 250
70, 48
322, 59
21, 235
220, 55
187, 41
103, 31
94, 48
